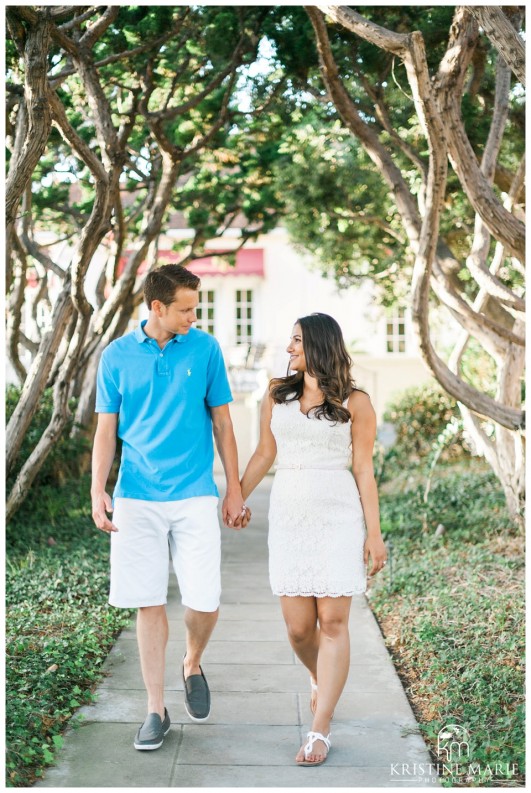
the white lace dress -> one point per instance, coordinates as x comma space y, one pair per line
316, 525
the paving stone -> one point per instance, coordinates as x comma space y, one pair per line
257, 678
123, 672
255, 612
250, 594
390, 702
242, 630
286, 777
122, 667
236, 708
102, 755
230, 745
232, 630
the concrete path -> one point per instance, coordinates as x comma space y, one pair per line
260, 701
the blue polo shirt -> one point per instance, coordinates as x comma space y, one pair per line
163, 399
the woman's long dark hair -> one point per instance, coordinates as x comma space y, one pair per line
328, 361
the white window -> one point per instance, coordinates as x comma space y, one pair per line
205, 311
395, 334
244, 316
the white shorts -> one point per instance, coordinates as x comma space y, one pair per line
147, 530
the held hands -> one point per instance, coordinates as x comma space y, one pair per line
236, 514
376, 550
101, 504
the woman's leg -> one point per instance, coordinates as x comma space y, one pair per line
333, 660
300, 616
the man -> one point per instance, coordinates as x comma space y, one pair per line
161, 390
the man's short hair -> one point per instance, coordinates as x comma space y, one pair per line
162, 283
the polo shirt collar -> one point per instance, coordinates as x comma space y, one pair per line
141, 336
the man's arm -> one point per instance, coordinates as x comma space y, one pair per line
233, 509
102, 459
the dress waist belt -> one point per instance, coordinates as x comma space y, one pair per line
302, 466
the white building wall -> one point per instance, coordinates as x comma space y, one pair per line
291, 290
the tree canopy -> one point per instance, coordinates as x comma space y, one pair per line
352, 224
390, 142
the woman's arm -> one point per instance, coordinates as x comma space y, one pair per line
363, 437
265, 453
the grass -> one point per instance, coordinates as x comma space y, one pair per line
451, 608
59, 628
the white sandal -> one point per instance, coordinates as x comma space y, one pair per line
312, 738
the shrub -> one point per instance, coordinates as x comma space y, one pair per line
419, 415
468, 502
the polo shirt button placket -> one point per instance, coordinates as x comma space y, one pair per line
162, 365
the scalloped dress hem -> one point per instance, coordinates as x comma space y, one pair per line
321, 595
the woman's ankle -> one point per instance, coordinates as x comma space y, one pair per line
321, 726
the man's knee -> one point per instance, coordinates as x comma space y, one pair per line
200, 621
196, 614
151, 612
200, 612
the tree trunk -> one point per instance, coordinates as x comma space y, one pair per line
509, 445
503, 225
37, 378
87, 376
31, 141
505, 38
57, 423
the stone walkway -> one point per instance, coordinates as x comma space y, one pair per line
260, 701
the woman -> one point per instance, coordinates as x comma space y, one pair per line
323, 522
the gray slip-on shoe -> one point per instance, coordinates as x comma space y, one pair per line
196, 696
151, 734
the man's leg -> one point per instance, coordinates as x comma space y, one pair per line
195, 544
152, 637
199, 627
139, 575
